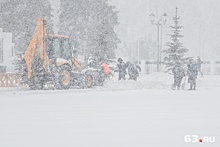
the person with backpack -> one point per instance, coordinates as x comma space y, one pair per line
192, 73
133, 71
179, 73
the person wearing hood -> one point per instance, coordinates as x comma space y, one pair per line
133, 71
121, 69
179, 73
192, 73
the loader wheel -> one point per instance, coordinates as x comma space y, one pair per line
89, 81
36, 84
64, 77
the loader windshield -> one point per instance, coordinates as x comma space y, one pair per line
66, 49
58, 48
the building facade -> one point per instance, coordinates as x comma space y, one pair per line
6, 52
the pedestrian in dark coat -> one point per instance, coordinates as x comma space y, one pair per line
199, 63
190, 62
121, 69
192, 73
133, 71
179, 73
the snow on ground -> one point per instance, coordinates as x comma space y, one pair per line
151, 81
145, 81
120, 114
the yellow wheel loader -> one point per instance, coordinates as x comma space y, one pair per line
49, 59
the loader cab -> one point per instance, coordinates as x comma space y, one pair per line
58, 47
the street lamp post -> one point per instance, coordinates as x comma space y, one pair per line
138, 46
158, 23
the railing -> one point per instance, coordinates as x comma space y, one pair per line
208, 67
11, 80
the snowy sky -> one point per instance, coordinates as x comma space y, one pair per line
55, 6
200, 19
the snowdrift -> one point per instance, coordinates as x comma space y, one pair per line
150, 81
145, 81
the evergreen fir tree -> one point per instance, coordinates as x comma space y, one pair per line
90, 23
176, 51
19, 17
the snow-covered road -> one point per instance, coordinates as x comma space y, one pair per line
102, 118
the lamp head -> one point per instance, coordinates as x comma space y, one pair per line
164, 18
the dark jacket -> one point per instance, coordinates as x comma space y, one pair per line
178, 71
133, 69
199, 63
122, 68
193, 71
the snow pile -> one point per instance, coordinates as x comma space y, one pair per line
145, 81
150, 81
159, 80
